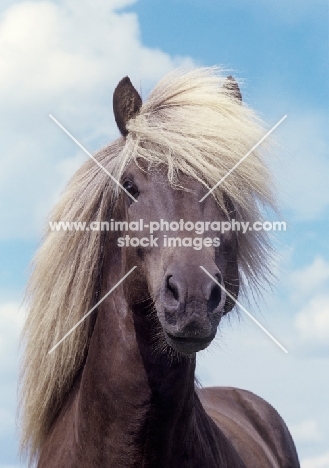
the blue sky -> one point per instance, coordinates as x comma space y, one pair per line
66, 57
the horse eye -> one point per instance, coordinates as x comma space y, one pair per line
131, 188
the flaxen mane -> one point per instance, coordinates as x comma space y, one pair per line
190, 123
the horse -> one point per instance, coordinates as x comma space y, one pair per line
120, 390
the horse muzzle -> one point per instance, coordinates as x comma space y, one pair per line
191, 308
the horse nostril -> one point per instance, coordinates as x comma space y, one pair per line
172, 287
215, 294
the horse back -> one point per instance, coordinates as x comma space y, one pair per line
252, 425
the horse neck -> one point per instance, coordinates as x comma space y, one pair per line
133, 399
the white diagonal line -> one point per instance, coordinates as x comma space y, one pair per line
91, 156
91, 310
243, 158
245, 311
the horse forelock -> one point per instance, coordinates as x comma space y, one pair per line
192, 125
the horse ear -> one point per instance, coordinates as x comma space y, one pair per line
231, 84
126, 104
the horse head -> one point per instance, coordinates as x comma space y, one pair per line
187, 302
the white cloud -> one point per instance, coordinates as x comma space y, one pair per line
307, 431
311, 279
321, 461
309, 286
70, 47
312, 322
63, 58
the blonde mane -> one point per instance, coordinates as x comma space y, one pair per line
191, 124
